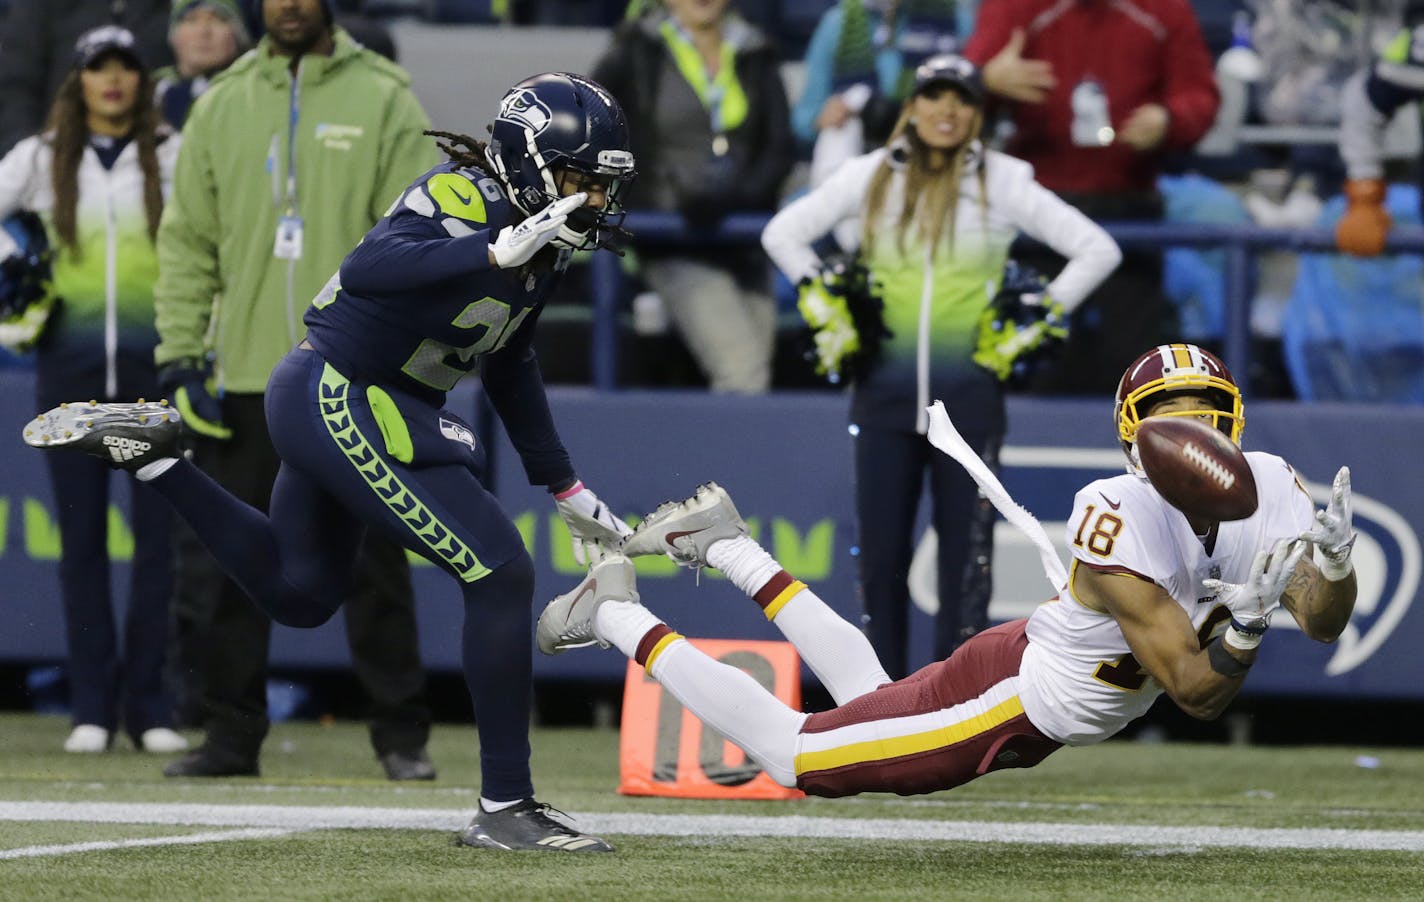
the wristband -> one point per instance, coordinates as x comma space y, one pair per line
1224, 662
571, 490
1245, 636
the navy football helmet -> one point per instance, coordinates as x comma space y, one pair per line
556, 123
24, 263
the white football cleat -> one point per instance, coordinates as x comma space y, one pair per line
567, 621
684, 530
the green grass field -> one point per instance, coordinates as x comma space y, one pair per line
1119, 821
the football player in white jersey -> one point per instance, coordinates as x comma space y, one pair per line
1156, 601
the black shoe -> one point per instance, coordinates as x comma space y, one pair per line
527, 825
125, 436
408, 765
212, 761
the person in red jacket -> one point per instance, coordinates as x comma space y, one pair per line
1101, 92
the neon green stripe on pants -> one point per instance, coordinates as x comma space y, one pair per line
336, 414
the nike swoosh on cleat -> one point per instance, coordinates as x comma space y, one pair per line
592, 588
674, 536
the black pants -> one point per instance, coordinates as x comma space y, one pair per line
890, 468
111, 682
1127, 315
222, 639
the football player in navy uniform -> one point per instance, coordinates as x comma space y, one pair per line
454, 276
1157, 601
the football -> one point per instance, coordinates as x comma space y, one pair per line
1200, 471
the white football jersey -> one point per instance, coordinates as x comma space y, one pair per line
1079, 681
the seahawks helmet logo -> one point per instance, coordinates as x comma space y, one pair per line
524, 109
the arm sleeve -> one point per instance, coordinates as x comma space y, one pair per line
24, 68
1190, 94
789, 235
819, 69
1091, 252
1118, 539
414, 251
17, 172
515, 387
188, 274
992, 27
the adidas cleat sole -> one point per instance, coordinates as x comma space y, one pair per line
126, 436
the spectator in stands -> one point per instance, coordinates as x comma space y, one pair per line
314, 168
1371, 98
859, 67
97, 177
206, 36
932, 260
1131, 82
711, 133
37, 37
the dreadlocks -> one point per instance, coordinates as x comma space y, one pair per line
474, 149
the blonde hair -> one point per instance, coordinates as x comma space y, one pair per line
935, 190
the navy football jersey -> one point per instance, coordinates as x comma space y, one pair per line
417, 304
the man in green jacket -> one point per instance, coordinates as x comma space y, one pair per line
291, 155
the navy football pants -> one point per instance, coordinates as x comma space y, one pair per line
356, 456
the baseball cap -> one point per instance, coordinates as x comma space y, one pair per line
96, 42
954, 70
228, 9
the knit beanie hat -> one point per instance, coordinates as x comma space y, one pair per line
226, 8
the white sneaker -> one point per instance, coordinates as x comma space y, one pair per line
567, 621
162, 741
87, 739
684, 530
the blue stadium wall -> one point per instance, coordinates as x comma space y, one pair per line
786, 460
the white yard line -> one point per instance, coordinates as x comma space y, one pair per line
185, 840
293, 817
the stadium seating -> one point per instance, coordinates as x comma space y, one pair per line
1354, 330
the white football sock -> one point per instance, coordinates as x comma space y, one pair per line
744, 562
492, 807
623, 625
838, 654
735, 705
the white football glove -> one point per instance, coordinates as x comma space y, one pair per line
1253, 602
590, 522
1332, 533
515, 244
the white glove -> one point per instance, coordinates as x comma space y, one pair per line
515, 244
1251, 603
590, 521
1332, 533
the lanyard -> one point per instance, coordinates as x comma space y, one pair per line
722, 96
295, 110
